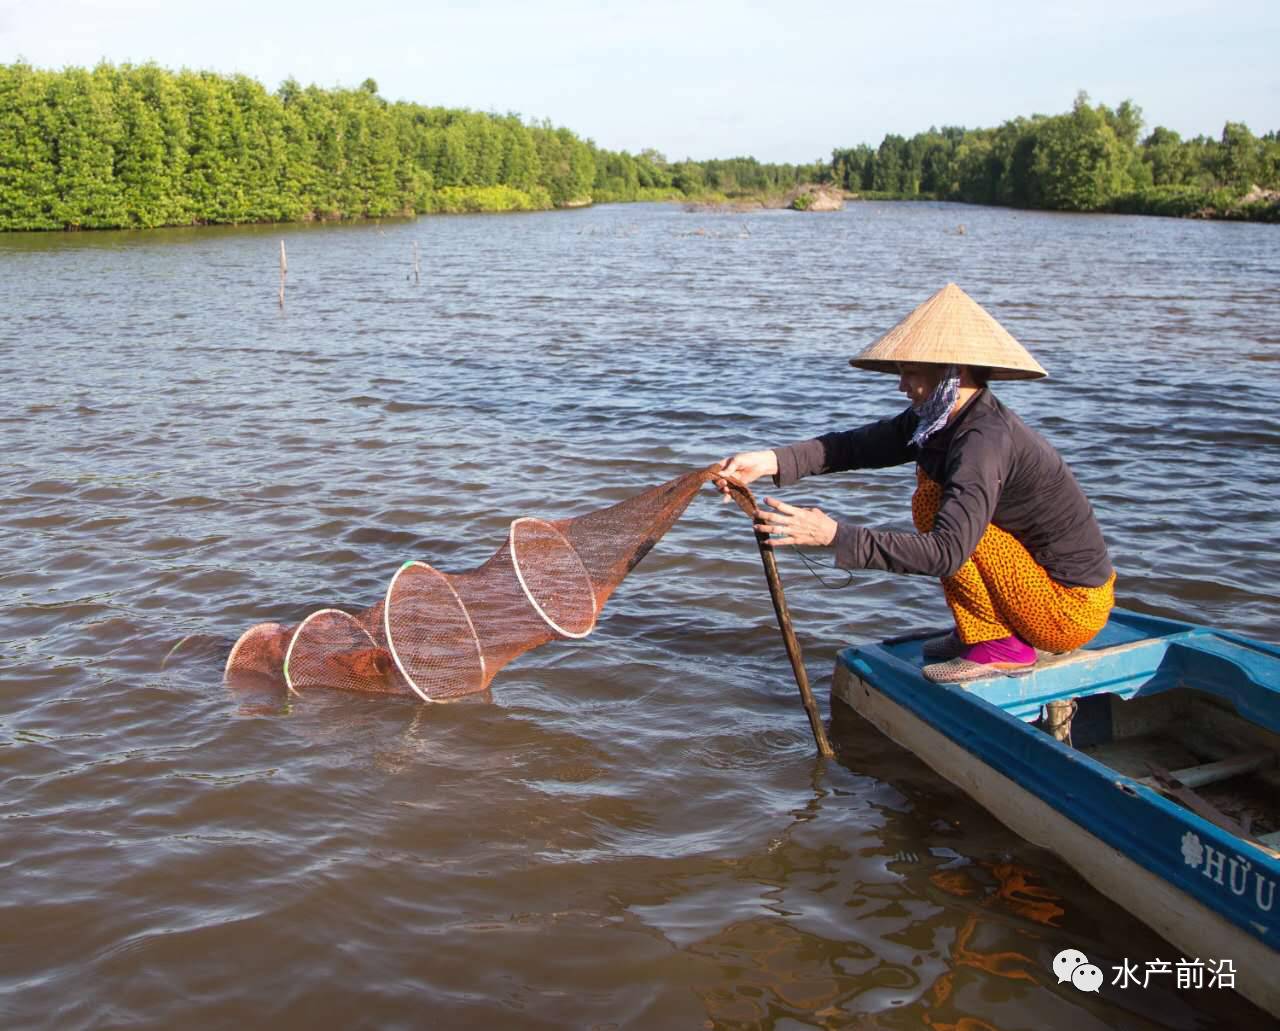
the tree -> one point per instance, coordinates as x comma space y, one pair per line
652, 170
1125, 122
144, 162
1078, 163
485, 142
28, 194
1167, 157
85, 133
979, 168
687, 177
582, 165
937, 174
1238, 163
889, 171
1269, 161
454, 167
519, 167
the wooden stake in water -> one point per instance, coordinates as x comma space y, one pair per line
417, 264
747, 502
284, 271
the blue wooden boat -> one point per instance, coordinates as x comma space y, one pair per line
1149, 760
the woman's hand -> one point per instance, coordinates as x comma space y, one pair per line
745, 467
791, 525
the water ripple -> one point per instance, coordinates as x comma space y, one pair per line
628, 830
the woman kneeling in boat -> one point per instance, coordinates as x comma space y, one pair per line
1000, 518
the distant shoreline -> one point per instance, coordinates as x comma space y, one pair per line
490, 201
141, 147
1259, 206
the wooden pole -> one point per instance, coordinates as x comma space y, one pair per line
417, 264
747, 502
1058, 716
793, 646
284, 271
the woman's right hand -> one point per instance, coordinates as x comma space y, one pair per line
747, 466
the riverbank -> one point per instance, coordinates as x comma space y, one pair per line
1219, 205
804, 197
1256, 205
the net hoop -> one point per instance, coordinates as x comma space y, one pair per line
288, 681
243, 639
391, 644
524, 586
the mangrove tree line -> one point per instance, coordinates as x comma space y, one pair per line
141, 146
1092, 158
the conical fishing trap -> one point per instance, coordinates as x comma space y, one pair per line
444, 635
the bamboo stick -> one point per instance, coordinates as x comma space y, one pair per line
284, 271
747, 502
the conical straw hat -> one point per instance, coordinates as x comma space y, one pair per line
951, 328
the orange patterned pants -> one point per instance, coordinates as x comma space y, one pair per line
1000, 590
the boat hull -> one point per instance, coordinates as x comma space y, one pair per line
1133, 844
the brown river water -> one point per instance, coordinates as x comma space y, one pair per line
632, 830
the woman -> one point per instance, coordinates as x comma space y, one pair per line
999, 516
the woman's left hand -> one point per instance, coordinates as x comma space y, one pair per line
791, 525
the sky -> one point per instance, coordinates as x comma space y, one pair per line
782, 82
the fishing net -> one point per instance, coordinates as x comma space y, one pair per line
444, 635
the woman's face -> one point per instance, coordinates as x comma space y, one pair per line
918, 380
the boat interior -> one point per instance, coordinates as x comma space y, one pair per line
1190, 745
1191, 712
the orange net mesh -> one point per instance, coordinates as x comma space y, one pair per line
443, 635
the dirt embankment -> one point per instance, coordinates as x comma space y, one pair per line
807, 197
815, 197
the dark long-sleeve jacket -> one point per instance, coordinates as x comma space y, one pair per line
993, 469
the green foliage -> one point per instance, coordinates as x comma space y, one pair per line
1125, 121
1166, 157
623, 177
520, 166
1239, 160
893, 170
464, 199
1088, 159
741, 176
1076, 161
140, 146
85, 130
567, 165
688, 178
1176, 201
28, 162
1194, 202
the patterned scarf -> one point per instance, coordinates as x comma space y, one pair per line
936, 409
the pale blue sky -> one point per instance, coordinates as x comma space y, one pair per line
781, 82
